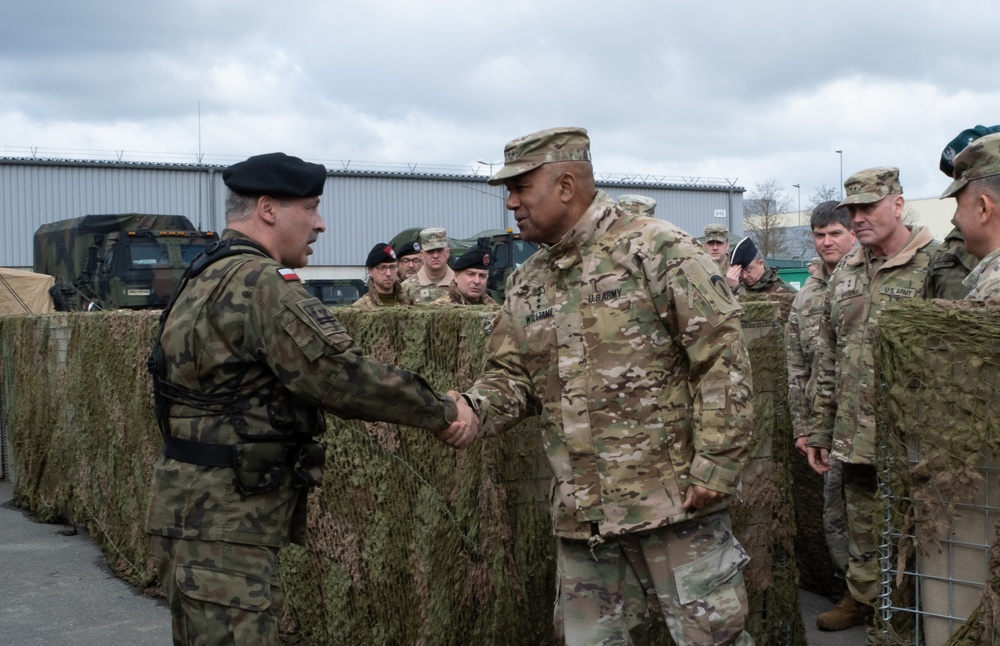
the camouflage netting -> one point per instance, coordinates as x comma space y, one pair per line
409, 541
938, 413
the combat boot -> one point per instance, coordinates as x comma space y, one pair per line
848, 612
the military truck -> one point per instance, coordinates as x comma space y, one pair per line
507, 252
118, 261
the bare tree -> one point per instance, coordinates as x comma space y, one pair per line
762, 217
910, 215
822, 193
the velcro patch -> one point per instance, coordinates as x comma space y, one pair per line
288, 274
321, 315
897, 292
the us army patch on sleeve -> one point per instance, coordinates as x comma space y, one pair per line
321, 315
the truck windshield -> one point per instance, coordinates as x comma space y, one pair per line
190, 251
147, 254
523, 251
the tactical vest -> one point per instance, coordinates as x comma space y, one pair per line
257, 462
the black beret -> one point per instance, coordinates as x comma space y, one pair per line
959, 143
380, 253
743, 253
277, 175
409, 249
475, 258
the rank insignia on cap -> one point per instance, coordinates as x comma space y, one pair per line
288, 274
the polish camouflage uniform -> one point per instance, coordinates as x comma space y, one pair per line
268, 358
844, 406
950, 266
803, 343
420, 287
372, 300
769, 283
628, 343
984, 281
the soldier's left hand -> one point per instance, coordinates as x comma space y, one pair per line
699, 497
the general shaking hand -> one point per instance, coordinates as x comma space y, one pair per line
465, 428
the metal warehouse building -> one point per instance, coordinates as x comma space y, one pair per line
360, 207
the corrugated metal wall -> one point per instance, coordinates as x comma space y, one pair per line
360, 208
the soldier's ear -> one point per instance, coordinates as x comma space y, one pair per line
267, 208
987, 208
566, 186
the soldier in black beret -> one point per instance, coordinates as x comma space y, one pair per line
756, 276
410, 261
384, 288
472, 270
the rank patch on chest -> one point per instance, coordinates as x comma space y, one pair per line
288, 274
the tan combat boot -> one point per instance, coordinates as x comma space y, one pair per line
845, 614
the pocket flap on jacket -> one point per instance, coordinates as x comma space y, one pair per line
224, 588
697, 579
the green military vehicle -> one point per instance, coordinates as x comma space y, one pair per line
119, 261
507, 252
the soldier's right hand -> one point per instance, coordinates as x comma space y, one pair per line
819, 459
464, 430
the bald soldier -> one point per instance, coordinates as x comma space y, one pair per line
976, 190
245, 365
434, 278
621, 333
384, 288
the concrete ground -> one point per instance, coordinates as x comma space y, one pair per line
58, 591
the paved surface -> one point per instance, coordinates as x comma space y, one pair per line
58, 591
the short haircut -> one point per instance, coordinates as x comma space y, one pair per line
239, 206
827, 213
989, 184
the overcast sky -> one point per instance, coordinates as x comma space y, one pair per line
747, 91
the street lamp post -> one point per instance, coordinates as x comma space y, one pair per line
799, 189
841, 153
503, 206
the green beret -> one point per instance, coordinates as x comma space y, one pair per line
980, 159
959, 143
277, 175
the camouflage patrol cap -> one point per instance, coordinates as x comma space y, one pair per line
543, 147
277, 175
959, 143
637, 204
433, 238
871, 185
980, 159
716, 233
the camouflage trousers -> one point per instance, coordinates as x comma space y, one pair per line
835, 517
692, 568
861, 505
219, 593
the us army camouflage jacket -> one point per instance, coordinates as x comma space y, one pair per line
843, 416
628, 343
985, 278
950, 265
802, 342
422, 289
242, 325
371, 300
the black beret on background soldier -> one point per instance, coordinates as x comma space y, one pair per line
409, 258
472, 271
245, 364
384, 288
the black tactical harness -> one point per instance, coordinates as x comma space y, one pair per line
299, 455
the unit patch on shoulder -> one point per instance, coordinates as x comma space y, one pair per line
321, 315
288, 274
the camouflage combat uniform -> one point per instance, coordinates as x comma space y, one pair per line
843, 417
454, 298
628, 343
372, 300
949, 267
263, 359
984, 280
802, 345
422, 289
769, 283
